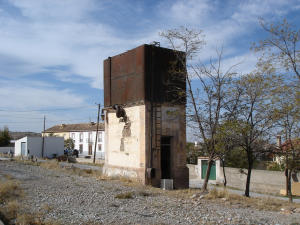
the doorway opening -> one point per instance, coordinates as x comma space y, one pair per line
23, 148
212, 174
90, 149
165, 157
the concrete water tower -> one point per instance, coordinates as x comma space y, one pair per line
145, 130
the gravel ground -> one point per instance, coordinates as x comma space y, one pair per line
73, 199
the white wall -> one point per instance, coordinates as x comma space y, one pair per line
85, 142
53, 145
18, 146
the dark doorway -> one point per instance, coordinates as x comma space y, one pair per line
165, 157
90, 149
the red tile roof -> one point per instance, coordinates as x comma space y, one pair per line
75, 127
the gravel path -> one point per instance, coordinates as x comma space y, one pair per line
73, 199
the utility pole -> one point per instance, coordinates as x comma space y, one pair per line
96, 133
43, 141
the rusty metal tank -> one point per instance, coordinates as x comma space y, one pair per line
146, 73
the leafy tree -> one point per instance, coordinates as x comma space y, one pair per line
281, 52
4, 137
69, 143
288, 113
252, 119
192, 153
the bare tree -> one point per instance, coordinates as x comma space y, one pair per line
205, 102
280, 47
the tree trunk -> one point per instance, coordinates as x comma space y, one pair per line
247, 191
209, 164
225, 180
286, 173
290, 186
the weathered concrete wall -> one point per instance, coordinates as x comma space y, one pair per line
296, 188
173, 125
128, 147
261, 180
125, 143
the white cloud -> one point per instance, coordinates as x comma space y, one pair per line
57, 10
249, 11
69, 39
24, 104
193, 11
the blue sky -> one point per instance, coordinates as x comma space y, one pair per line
51, 51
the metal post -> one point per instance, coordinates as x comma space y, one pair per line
96, 133
43, 141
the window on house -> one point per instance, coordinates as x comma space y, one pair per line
73, 136
99, 147
90, 137
81, 148
81, 137
99, 136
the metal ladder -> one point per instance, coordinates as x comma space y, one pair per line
157, 126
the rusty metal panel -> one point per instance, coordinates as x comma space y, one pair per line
106, 81
143, 74
126, 78
165, 76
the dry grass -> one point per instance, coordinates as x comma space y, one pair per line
270, 204
91, 164
214, 194
50, 164
145, 194
10, 209
180, 193
10, 190
47, 208
33, 219
126, 195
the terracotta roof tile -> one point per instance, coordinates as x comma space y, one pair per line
75, 127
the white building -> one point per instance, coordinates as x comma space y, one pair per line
32, 146
84, 136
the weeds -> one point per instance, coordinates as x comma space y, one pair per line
50, 164
10, 209
144, 194
9, 190
214, 194
126, 195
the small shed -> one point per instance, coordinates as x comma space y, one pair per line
32, 146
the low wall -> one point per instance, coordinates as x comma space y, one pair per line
261, 180
7, 149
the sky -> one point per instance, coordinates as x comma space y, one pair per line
52, 51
